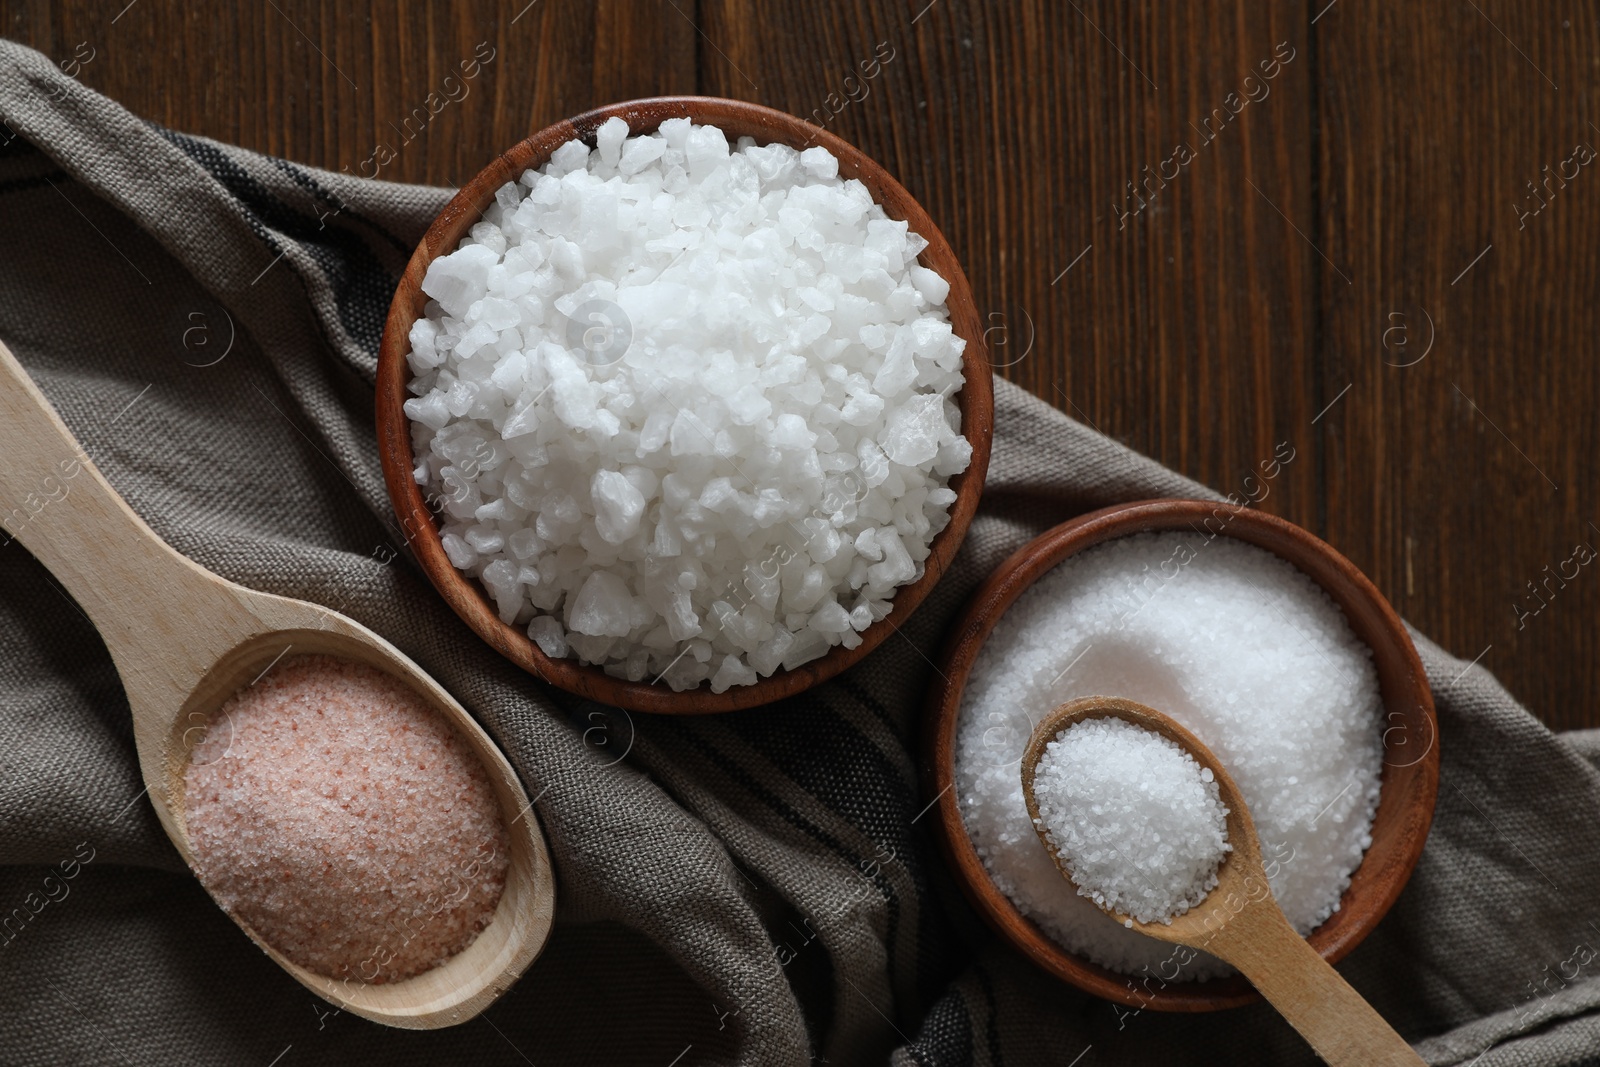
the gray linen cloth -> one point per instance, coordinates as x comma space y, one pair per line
206, 320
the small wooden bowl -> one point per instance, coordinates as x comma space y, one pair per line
1410, 779
467, 597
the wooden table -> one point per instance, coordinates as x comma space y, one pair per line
1366, 230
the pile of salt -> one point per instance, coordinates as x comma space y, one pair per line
1135, 819
685, 407
341, 818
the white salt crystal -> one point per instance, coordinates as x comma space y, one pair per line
428, 410
930, 284
571, 156
603, 607
819, 163
639, 153
732, 672
748, 406
574, 396
915, 431
617, 506
609, 140
458, 279
831, 618
953, 457
549, 635
896, 568
424, 353
461, 554
658, 392
899, 368
705, 149
523, 420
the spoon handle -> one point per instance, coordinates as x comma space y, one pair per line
54, 501
1333, 1018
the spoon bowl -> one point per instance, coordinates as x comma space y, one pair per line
185, 640
1239, 920
1242, 872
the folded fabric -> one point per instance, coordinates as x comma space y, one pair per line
752, 888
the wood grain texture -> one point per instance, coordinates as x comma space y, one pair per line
325, 83
1457, 480
1185, 327
1203, 329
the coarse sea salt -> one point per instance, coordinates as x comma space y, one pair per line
685, 408
1135, 818
1236, 645
342, 819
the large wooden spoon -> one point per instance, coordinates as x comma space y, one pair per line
185, 640
1239, 921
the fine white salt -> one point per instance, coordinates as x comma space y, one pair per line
686, 407
1134, 817
1236, 645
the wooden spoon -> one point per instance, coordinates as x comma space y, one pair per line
185, 640
1240, 921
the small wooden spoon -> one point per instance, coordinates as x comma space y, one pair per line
1240, 921
185, 640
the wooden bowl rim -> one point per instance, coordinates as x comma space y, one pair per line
1407, 792
419, 527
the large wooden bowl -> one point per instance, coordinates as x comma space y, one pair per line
1410, 780
467, 597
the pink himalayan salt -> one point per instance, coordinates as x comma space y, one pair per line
345, 821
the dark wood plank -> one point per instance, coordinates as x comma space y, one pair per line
406, 92
1459, 480
1186, 329
1202, 329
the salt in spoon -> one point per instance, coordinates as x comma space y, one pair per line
184, 640
1239, 921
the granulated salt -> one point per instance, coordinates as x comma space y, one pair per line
344, 820
1236, 645
1134, 817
